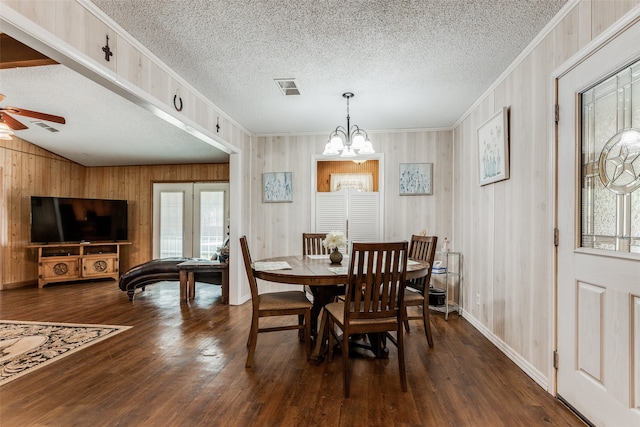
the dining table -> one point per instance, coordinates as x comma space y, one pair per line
323, 278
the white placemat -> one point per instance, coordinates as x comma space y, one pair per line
271, 265
326, 256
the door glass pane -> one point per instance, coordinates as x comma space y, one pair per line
171, 224
610, 163
212, 231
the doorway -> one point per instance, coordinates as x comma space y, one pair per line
355, 208
189, 219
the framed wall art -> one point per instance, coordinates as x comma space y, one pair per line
416, 179
493, 148
277, 187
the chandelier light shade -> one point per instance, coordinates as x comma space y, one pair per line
350, 141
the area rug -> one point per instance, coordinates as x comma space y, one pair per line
27, 346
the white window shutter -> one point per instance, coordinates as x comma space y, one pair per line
331, 212
364, 217
355, 213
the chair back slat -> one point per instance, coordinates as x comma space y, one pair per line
248, 265
312, 244
376, 282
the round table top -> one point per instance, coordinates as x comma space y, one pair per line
318, 270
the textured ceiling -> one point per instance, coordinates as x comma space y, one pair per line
411, 64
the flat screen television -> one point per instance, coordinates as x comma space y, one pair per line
71, 220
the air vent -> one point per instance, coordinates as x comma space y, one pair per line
288, 86
43, 125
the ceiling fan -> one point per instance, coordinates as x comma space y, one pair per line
5, 116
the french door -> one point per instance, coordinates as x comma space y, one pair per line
598, 305
189, 219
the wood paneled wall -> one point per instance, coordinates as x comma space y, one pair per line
276, 228
326, 168
505, 230
135, 184
28, 170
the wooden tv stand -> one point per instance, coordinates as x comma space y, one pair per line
66, 262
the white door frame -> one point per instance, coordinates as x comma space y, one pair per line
191, 213
592, 48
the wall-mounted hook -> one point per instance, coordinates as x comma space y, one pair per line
218, 124
107, 51
177, 101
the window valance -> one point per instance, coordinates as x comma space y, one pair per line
360, 182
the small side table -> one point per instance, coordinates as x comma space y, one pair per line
452, 278
188, 270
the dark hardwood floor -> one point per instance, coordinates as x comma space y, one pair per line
183, 365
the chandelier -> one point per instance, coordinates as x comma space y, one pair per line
349, 141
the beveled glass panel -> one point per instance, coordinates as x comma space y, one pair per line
635, 96
610, 163
604, 210
635, 222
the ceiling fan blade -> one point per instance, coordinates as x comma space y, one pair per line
35, 115
11, 122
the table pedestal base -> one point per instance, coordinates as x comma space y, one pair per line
359, 345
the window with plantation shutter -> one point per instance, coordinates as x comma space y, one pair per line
355, 213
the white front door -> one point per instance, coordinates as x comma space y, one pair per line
189, 219
598, 305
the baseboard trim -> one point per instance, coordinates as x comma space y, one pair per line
541, 379
16, 285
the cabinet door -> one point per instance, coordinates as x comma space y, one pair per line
98, 266
59, 269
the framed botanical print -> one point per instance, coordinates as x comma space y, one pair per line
277, 187
493, 148
416, 179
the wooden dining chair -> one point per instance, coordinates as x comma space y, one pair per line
422, 248
312, 244
374, 300
284, 303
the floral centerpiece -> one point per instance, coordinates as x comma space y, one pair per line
333, 241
